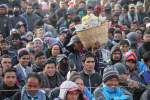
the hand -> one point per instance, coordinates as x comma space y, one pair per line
133, 84
96, 45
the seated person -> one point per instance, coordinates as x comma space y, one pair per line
109, 89
33, 81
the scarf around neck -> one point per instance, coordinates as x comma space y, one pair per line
115, 94
39, 95
130, 17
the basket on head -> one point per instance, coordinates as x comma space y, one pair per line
89, 36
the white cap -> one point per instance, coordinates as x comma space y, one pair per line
148, 25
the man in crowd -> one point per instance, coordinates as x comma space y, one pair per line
50, 77
23, 5
20, 26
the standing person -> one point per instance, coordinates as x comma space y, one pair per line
23, 5
92, 78
5, 24
124, 11
30, 17
109, 88
17, 18
50, 77
75, 5
31, 89
9, 83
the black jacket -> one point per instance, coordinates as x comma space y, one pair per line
52, 17
91, 81
36, 68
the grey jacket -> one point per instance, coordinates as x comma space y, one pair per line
99, 95
18, 67
31, 18
5, 26
145, 95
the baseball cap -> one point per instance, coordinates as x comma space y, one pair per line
60, 57
131, 57
19, 24
74, 89
131, 5
147, 25
75, 38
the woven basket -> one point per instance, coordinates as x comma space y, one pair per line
89, 36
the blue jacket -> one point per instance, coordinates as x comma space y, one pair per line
145, 77
142, 66
88, 94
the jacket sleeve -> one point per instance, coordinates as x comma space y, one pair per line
25, 21
144, 96
98, 94
20, 79
9, 27
17, 96
126, 20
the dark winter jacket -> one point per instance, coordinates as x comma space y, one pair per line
36, 68
52, 17
91, 81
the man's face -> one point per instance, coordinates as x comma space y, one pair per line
124, 11
115, 19
16, 9
89, 64
133, 27
146, 37
29, 9
76, 2
40, 61
146, 22
117, 10
130, 63
6, 63
15, 41
122, 77
139, 33
50, 69
23, 4
89, 11
70, 16
82, 4
140, 8
117, 36
2, 11
132, 8
37, 45
55, 52
32, 85
73, 95
1, 37
77, 46
32, 57
40, 34
116, 55
62, 4
21, 30
125, 27
24, 60
9, 79
112, 83
124, 48
62, 37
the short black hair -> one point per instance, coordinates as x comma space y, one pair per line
35, 75
146, 32
73, 70
76, 19
127, 31
75, 76
4, 56
117, 31
38, 22
142, 25
90, 7
123, 42
139, 30
8, 70
86, 55
29, 5
116, 25
82, 2
22, 53
24, 1
39, 53
4, 41
135, 23
111, 30
125, 7
49, 61
128, 68
146, 56
52, 5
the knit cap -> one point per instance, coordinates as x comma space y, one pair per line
120, 68
109, 73
50, 41
70, 11
29, 33
16, 35
38, 39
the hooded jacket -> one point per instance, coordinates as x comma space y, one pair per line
48, 52
110, 61
133, 38
136, 69
141, 49
81, 9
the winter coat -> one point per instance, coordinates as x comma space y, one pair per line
36, 68
91, 81
145, 77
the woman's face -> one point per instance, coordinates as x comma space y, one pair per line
80, 83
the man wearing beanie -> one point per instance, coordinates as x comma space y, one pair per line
128, 83
16, 43
39, 61
109, 90
115, 56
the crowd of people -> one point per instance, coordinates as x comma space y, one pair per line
42, 57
